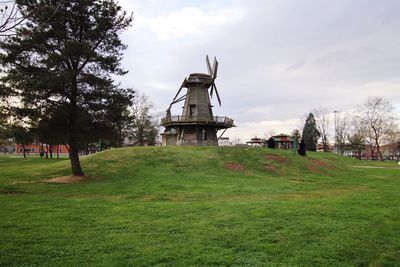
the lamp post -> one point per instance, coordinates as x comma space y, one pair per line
334, 144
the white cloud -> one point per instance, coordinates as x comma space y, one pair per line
188, 21
279, 59
263, 128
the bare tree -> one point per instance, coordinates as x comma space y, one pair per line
341, 131
322, 120
356, 144
145, 124
300, 122
376, 120
269, 134
236, 140
393, 141
393, 135
11, 17
296, 134
363, 130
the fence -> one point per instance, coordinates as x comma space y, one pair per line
205, 119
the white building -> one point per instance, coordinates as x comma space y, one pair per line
224, 141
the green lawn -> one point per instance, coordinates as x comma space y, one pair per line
175, 206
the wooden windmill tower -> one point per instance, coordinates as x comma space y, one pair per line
197, 125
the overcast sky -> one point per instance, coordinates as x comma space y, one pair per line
279, 59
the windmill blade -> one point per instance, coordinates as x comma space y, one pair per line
180, 89
208, 65
179, 99
215, 69
214, 65
212, 90
216, 92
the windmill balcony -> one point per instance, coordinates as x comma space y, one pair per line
223, 122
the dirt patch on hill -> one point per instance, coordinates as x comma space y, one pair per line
318, 166
234, 166
270, 169
68, 179
319, 163
276, 158
10, 192
315, 169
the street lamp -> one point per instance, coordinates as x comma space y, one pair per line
334, 144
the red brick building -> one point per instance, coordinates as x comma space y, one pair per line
36, 148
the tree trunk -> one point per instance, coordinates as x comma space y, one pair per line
23, 149
51, 151
378, 152
45, 151
75, 163
372, 152
141, 141
325, 143
378, 148
74, 129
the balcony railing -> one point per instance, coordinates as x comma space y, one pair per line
198, 119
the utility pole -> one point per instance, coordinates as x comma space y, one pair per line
334, 144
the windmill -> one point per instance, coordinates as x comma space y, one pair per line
197, 125
208, 79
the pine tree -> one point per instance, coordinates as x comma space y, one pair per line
310, 133
271, 143
63, 59
302, 148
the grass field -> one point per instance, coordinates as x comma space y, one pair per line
202, 206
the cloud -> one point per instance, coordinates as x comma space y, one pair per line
279, 59
188, 22
263, 128
296, 66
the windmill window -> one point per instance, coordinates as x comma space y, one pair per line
204, 134
192, 110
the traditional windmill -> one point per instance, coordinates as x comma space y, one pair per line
197, 125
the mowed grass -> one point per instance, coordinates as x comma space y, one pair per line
187, 206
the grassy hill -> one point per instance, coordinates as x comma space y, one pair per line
200, 206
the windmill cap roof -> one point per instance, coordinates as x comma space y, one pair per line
200, 75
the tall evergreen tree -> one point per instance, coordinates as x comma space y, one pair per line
271, 143
62, 59
121, 120
302, 148
310, 133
